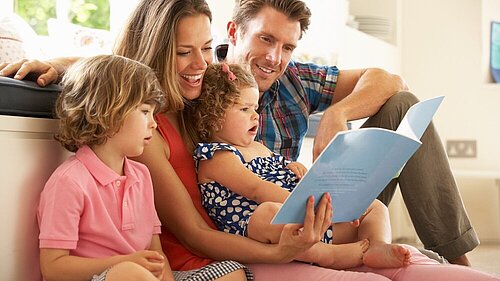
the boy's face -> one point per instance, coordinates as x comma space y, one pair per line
241, 120
136, 131
266, 45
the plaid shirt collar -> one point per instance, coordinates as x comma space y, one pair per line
268, 96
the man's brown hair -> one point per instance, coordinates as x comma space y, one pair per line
246, 10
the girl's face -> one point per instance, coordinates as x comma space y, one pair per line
241, 120
193, 53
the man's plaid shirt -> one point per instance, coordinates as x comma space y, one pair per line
284, 109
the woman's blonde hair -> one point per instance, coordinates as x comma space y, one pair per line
97, 95
218, 93
149, 37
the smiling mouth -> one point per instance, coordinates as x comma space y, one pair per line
265, 69
192, 78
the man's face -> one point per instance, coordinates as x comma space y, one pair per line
266, 45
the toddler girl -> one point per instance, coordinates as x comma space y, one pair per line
243, 183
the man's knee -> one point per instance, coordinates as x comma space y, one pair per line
402, 99
392, 112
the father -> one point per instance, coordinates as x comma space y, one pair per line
264, 34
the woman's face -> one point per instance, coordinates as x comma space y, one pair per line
194, 52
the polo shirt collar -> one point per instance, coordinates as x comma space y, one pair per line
100, 171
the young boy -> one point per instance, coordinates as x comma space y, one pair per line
96, 214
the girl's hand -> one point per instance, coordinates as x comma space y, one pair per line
43, 72
150, 260
298, 169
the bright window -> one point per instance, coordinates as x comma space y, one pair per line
36, 13
88, 13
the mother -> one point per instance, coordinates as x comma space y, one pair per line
173, 37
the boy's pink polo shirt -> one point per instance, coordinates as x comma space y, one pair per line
90, 210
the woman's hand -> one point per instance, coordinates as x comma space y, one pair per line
296, 238
43, 72
298, 169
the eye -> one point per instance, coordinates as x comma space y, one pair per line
146, 109
265, 39
288, 48
244, 109
183, 53
207, 49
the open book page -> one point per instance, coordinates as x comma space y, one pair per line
418, 118
356, 166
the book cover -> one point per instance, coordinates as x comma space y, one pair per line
357, 165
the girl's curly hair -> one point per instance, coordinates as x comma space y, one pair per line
97, 95
218, 93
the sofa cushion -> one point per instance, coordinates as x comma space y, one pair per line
26, 98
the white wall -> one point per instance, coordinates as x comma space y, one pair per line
490, 12
445, 51
442, 54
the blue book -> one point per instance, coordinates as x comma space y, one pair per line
357, 165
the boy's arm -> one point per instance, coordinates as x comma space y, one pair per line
58, 264
227, 169
167, 271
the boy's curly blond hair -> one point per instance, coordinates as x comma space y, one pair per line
218, 93
97, 95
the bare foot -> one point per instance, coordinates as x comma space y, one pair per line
461, 260
343, 256
381, 255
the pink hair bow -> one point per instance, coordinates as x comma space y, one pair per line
230, 74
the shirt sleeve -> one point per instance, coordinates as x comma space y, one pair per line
317, 81
59, 211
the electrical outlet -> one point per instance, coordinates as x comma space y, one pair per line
461, 148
